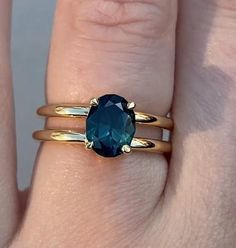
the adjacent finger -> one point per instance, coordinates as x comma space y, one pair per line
98, 47
202, 182
8, 186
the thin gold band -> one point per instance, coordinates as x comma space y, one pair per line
68, 136
82, 110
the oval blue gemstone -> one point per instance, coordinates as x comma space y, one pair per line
110, 125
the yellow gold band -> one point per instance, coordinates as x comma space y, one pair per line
110, 126
73, 137
82, 110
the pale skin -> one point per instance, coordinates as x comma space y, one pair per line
131, 48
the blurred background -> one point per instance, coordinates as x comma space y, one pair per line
31, 30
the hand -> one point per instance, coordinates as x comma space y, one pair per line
131, 48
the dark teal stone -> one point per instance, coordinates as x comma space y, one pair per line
110, 125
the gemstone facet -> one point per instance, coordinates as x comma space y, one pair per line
110, 125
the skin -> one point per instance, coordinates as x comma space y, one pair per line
132, 48
9, 203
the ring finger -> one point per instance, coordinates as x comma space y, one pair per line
99, 47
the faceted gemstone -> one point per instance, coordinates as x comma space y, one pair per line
110, 125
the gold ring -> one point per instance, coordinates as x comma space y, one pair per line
82, 110
110, 126
68, 136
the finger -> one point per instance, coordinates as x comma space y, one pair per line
8, 187
203, 171
100, 47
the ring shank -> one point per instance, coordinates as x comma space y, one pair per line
69, 136
82, 110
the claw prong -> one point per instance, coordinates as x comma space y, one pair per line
89, 145
94, 102
126, 149
131, 105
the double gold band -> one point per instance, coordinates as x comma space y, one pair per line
113, 132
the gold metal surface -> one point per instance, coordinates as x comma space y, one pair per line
94, 102
131, 105
68, 136
82, 110
126, 149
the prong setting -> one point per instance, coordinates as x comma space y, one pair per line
94, 102
112, 111
88, 145
131, 105
126, 149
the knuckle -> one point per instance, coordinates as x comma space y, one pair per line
145, 18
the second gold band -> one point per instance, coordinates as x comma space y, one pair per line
82, 110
